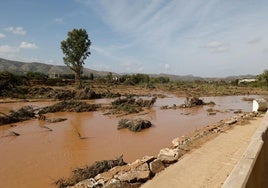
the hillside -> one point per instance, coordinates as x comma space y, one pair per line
21, 68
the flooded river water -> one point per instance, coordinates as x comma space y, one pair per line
38, 156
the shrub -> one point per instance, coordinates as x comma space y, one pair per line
91, 171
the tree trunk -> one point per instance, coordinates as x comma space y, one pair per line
78, 81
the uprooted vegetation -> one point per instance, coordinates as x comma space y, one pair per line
91, 171
188, 103
24, 113
195, 101
130, 105
135, 125
70, 106
45, 92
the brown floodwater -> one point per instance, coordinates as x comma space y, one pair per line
38, 156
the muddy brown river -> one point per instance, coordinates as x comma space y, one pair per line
38, 156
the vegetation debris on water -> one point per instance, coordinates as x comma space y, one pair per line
135, 125
91, 171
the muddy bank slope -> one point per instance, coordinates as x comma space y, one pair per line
209, 165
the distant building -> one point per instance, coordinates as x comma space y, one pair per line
247, 80
54, 75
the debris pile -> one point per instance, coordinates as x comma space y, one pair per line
135, 125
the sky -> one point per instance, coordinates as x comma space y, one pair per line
208, 38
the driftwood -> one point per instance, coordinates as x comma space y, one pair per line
49, 129
13, 133
79, 135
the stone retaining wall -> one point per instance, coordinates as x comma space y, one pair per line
252, 170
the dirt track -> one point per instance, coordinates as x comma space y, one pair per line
209, 165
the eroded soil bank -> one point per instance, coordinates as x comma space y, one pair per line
38, 156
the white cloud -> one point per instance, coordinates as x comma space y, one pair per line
126, 64
50, 61
265, 50
174, 31
27, 45
217, 47
59, 20
141, 69
6, 49
167, 66
213, 44
16, 30
255, 40
2, 35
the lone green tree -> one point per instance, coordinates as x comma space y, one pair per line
76, 49
264, 77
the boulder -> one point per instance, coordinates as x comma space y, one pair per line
259, 105
156, 166
139, 174
168, 156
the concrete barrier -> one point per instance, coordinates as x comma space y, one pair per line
252, 170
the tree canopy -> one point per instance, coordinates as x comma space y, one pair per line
264, 77
76, 49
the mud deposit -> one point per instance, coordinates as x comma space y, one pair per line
39, 156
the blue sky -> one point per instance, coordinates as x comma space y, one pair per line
200, 37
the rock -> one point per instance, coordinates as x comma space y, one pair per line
156, 166
217, 129
212, 113
164, 107
238, 111
147, 159
100, 179
136, 185
176, 142
88, 183
139, 174
168, 156
115, 183
231, 121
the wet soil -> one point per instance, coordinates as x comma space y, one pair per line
38, 156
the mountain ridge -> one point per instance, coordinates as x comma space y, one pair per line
19, 67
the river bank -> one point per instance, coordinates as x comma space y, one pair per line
227, 140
